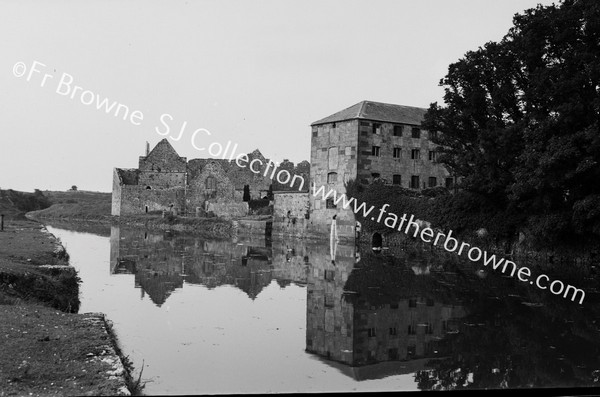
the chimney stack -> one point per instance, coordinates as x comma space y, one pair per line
147, 148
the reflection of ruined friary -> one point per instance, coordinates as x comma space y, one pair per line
162, 263
366, 320
165, 181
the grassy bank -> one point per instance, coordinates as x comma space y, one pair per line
76, 205
46, 348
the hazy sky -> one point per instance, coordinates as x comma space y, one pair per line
255, 73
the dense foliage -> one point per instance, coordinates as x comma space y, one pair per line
25, 201
520, 124
463, 212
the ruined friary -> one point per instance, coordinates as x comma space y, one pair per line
165, 181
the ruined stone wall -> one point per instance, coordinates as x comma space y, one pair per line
162, 180
200, 190
295, 202
333, 161
116, 194
386, 166
136, 199
163, 158
296, 223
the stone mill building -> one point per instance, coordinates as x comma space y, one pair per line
368, 141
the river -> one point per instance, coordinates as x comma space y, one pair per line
254, 316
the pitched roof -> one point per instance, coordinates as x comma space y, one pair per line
377, 111
165, 147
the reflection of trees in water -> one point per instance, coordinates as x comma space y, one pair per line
504, 340
504, 343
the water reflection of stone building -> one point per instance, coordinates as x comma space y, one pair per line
376, 333
162, 263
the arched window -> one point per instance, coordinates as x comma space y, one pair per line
148, 188
211, 183
332, 177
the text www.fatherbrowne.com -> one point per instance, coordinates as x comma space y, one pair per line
450, 244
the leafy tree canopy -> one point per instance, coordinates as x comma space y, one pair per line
520, 124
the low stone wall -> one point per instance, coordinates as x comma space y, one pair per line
249, 226
229, 210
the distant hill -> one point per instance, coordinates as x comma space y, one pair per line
75, 205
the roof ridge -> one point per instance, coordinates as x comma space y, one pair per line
362, 106
378, 111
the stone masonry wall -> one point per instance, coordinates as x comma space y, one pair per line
387, 166
135, 199
116, 194
333, 161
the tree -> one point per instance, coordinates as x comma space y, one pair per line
74, 188
520, 123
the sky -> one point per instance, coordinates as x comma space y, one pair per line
207, 74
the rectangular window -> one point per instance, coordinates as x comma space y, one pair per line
315, 133
329, 275
376, 128
414, 182
416, 132
372, 332
348, 151
429, 329
398, 130
432, 181
412, 330
393, 331
375, 150
449, 183
412, 303
329, 204
432, 155
397, 152
415, 154
397, 179
365, 123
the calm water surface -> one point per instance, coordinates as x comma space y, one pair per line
210, 317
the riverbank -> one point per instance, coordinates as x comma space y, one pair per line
46, 347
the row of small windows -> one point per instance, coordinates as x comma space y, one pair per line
415, 132
393, 331
415, 154
415, 181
